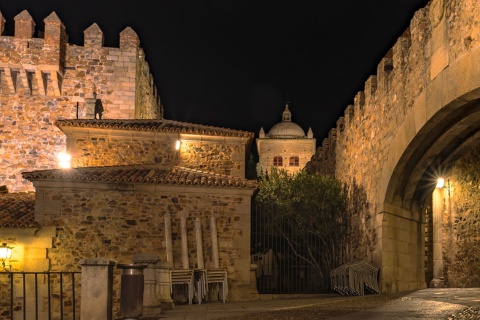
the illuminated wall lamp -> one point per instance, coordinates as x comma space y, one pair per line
440, 183
64, 160
5, 253
177, 145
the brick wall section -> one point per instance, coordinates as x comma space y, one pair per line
41, 80
116, 221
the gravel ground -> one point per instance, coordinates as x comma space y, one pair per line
326, 311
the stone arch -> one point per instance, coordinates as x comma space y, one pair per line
442, 124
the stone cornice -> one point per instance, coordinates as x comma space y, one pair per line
139, 125
131, 176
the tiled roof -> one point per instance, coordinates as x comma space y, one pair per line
142, 174
163, 125
17, 210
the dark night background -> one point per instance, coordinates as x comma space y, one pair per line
233, 63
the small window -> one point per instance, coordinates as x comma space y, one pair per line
277, 161
294, 162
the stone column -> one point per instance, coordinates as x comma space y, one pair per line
437, 241
151, 301
163, 284
213, 228
97, 286
198, 238
168, 237
183, 227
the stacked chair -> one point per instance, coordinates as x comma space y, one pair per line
198, 282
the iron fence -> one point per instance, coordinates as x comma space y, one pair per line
286, 262
39, 295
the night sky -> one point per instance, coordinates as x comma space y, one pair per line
233, 63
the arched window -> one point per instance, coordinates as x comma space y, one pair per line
277, 161
294, 162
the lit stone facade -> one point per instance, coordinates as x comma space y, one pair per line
125, 142
116, 212
45, 79
415, 117
285, 146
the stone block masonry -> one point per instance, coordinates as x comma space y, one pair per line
127, 142
46, 79
412, 114
116, 221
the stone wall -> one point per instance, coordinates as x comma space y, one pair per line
108, 143
461, 223
29, 254
116, 221
272, 147
404, 112
45, 79
223, 156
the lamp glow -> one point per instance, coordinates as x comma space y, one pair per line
440, 183
64, 160
177, 145
5, 252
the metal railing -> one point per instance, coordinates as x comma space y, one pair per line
40, 295
281, 267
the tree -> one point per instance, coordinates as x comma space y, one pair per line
307, 211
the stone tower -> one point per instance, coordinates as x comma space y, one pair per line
46, 79
285, 146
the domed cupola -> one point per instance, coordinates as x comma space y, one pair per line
286, 129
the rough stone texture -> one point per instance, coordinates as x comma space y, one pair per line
285, 148
287, 140
112, 143
42, 80
416, 111
96, 296
29, 254
118, 220
461, 223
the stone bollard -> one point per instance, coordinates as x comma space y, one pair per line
253, 282
151, 301
97, 287
163, 285
131, 296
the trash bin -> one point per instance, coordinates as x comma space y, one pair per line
131, 295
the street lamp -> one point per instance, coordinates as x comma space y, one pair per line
64, 160
5, 253
440, 183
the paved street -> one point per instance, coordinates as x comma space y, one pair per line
423, 304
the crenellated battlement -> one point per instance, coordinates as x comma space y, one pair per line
45, 78
416, 115
37, 66
392, 71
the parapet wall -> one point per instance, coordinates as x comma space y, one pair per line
438, 34
45, 79
432, 65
